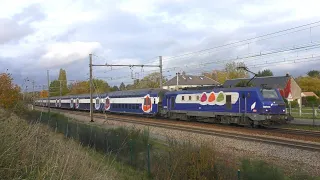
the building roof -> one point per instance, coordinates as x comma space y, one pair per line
306, 94
191, 80
269, 81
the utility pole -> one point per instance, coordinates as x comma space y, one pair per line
160, 66
91, 110
48, 93
60, 87
111, 65
33, 94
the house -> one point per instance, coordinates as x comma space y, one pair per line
309, 94
181, 81
288, 87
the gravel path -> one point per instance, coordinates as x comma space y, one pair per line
288, 158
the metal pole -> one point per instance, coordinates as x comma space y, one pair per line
149, 171
91, 110
60, 88
313, 114
160, 62
48, 95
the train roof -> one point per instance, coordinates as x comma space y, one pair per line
238, 89
137, 92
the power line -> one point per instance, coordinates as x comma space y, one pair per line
245, 40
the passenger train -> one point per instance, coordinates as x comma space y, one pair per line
250, 106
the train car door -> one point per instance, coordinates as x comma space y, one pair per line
172, 103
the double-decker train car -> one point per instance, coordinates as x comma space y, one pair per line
145, 101
244, 106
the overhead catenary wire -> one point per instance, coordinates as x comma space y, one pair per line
245, 40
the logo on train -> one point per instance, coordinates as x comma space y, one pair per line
97, 104
147, 104
77, 103
107, 104
71, 103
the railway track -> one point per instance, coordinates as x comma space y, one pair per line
227, 134
296, 132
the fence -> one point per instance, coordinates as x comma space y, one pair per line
309, 113
171, 161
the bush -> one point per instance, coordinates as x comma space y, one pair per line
252, 170
187, 161
126, 144
31, 151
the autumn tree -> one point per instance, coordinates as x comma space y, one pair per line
314, 73
266, 72
233, 72
83, 87
9, 92
43, 94
79, 87
150, 81
230, 71
309, 84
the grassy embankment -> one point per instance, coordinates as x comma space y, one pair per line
33, 151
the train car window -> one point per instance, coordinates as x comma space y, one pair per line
154, 100
243, 95
228, 102
126, 106
198, 98
189, 98
182, 98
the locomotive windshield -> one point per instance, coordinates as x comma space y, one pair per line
269, 94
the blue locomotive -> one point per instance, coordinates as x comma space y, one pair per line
251, 106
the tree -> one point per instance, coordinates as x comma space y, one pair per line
83, 87
100, 86
64, 82
43, 94
310, 84
9, 92
314, 73
219, 76
266, 72
55, 88
233, 72
80, 87
230, 71
122, 86
244, 83
114, 88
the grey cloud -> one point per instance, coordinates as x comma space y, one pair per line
129, 36
30, 14
12, 30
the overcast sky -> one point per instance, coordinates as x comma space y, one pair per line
36, 36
